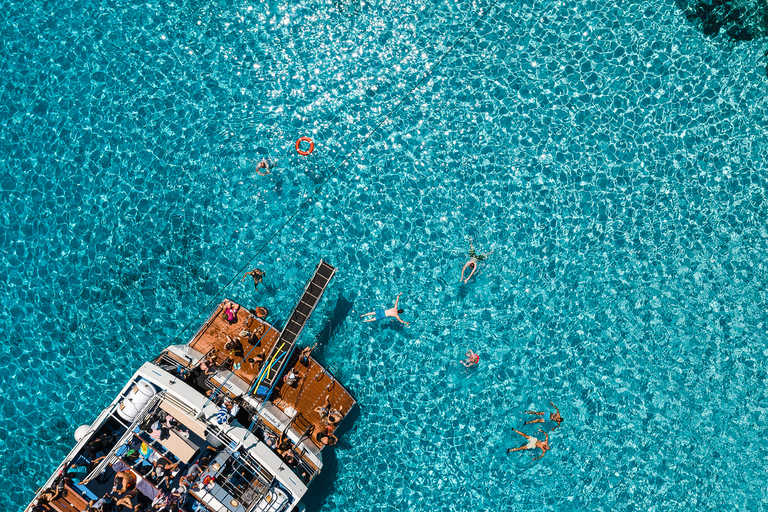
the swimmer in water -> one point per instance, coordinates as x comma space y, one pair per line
265, 164
553, 416
532, 444
471, 360
380, 313
474, 259
257, 274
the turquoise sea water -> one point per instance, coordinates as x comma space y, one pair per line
612, 158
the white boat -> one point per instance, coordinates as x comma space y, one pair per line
235, 420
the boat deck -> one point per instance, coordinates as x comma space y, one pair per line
213, 337
298, 401
310, 393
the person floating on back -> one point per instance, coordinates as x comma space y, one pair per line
532, 444
474, 259
380, 313
553, 416
257, 274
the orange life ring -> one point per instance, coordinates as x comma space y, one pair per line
301, 151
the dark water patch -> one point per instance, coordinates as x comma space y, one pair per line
740, 20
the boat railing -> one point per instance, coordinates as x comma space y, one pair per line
128, 433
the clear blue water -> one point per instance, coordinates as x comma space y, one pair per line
613, 158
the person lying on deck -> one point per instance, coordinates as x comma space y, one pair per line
305, 353
230, 311
325, 409
123, 482
381, 313
126, 500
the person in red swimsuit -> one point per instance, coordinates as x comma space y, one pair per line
471, 360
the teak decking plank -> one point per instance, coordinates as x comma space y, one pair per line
215, 337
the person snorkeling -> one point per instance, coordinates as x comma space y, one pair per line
474, 259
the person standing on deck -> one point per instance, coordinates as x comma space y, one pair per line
381, 313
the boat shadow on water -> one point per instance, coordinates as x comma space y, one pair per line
324, 484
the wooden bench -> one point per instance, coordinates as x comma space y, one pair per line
72, 502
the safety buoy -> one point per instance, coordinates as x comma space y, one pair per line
301, 151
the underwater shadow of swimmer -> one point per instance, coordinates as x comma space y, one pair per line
340, 313
266, 290
462, 292
325, 483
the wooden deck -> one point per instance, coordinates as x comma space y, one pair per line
310, 393
214, 337
303, 398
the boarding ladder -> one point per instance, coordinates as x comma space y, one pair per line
275, 363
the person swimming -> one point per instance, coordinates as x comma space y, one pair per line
474, 259
265, 164
380, 314
532, 444
553, 416
471, 360
258, 276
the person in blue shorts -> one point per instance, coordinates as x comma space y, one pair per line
381, 313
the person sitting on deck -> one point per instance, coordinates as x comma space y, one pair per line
57, 490
230, 311
325, 409
234, 347
381, 313
270, 440
334, 418
206, 367
305, 353
325, 438
293, 378
163, 472
196, 469
291, 459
